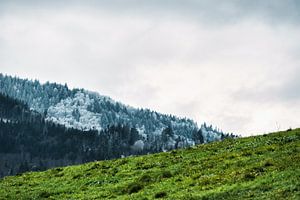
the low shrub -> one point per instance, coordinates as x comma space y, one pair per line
166, 174
145, 179
134, 188
160, 195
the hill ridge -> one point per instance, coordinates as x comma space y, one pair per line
86, 110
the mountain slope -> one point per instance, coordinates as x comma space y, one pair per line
28, 142
85, 110
260, 167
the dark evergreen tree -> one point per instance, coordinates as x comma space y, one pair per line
198, 137
167, 133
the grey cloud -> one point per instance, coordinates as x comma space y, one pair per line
291, 89
209, 11
172, 56
287, 91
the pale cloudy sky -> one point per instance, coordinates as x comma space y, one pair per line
232, 63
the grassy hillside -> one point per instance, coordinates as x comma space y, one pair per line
260, 167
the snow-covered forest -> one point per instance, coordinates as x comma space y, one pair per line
85, 110
48, 125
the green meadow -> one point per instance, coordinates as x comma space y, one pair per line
258, 167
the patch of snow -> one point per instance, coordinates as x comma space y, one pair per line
73, 113
5, 120
138, 145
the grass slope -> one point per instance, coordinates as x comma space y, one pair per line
260, 167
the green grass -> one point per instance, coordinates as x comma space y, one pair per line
260, 167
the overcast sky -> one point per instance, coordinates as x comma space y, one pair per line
234, 64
